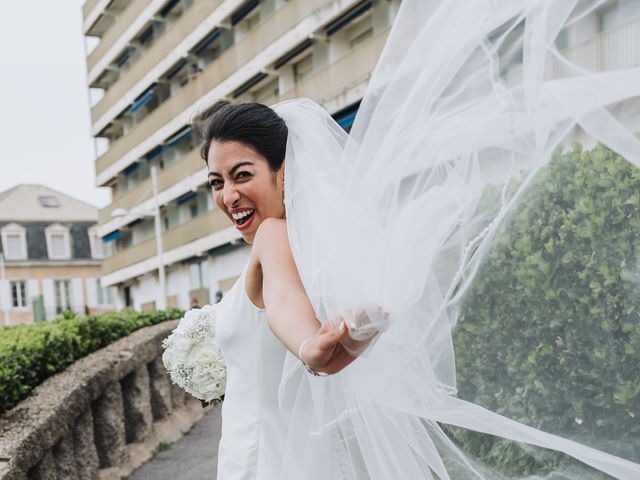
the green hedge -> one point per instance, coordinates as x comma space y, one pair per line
550, 334
29, 354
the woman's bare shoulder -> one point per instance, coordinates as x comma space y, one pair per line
271, 234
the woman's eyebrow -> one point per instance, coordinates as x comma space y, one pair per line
232, 171
238, 165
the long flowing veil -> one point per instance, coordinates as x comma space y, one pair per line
488, 197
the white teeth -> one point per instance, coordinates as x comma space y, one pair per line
241, 215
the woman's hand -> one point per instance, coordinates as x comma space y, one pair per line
344, 337
324, 352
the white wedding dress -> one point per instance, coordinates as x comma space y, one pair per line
253, 431
469, 102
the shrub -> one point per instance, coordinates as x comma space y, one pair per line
550, 334
29, 354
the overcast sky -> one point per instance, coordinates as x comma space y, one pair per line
44, 113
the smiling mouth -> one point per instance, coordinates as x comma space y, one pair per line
242, 217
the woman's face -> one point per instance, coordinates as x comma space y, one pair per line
244, 187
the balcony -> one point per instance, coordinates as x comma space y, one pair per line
88, 6
229, 62
184, 167
198, 227
335, 78
124, 21
614, 49
158, 51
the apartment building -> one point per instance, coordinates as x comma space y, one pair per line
50, 256
155, 63
152, 63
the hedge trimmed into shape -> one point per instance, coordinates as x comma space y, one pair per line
29, 354
550, 333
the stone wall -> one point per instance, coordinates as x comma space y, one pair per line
92, 419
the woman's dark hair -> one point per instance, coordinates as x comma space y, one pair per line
253, 124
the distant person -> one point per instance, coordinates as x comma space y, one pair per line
195, 71
218, 296
194, 303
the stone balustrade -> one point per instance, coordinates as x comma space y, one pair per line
100, 418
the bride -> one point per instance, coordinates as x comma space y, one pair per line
368, 249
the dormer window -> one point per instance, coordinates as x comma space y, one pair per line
49, 201
58, 242
14, 242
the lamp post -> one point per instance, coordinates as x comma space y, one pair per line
161, 304
3, 279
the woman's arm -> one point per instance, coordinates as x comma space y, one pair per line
289, 312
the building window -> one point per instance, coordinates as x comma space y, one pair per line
618, 13
63, 295
19, 294
303, 68
49, 201
14, 246
96, 243
14, 242
58, 246
199, 275
58, 242
104, 294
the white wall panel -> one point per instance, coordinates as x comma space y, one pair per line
92, 292
49, 295
77, 295
5, 295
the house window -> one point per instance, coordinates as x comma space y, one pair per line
58, 242
63, 295
19, 293
49, 201
14, 246
58, 247
104, 294
14, 242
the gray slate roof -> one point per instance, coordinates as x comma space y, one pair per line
20, 205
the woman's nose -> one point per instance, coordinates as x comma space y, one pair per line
230, 196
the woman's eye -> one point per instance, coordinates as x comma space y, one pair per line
243, 175
215, 184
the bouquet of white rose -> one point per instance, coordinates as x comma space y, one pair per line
193, 357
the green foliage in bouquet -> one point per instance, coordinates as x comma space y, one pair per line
29, 354
550, 333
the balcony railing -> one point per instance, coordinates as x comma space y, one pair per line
88, 6
195, 228
610, 50
618, 48
166, 43
133, 10
184, 167
230, 61
335, 78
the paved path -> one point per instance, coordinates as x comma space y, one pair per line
193, 457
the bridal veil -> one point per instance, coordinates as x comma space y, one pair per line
446, 178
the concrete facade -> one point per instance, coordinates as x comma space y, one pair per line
153, 64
